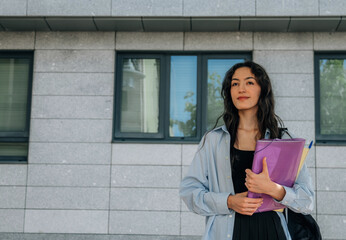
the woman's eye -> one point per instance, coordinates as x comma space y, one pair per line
234, 84
251, 83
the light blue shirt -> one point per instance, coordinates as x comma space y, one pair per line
206, 187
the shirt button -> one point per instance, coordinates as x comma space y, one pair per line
230, 216
228, 177
227, 157
229, 235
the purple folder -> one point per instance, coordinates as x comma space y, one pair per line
283, 158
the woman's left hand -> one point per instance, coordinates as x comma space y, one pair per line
259, 183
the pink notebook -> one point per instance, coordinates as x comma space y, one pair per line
283, 158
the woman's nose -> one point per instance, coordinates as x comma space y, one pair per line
241, 88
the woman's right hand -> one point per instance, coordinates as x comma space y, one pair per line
242, 204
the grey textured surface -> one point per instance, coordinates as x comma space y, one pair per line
329, 41
147, 154
332, 7
192, 224
285, 61
65, 198
69, 175
74, 61
219, 8
13, 7
146, 176
140, 222
295, 108
292, 85
73, 84
159, 199
147, 7
332, 226
331, 156
69, 8
283, 41
75, 40
14, 175
331, 179
74, 130
331, 202
287, 8
70, 153
149, 41
12, 197
24, 40
65, 107
218, 41
66, 221
11, 220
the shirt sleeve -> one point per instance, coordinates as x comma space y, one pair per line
301, 197
194, 188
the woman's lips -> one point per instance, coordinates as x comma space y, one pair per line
242, 98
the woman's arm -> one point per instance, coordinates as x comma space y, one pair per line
194, 188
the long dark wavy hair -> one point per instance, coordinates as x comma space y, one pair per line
266, 117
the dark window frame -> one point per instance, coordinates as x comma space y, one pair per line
19, 137
320, 138
164, 94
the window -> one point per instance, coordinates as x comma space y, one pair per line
169, 96
15, 102
330, 92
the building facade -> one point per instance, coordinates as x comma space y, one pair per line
96, 132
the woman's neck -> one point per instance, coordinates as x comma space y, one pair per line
248, 120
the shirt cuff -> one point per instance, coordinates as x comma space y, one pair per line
288, 198
222, 204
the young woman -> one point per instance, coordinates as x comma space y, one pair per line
220, 174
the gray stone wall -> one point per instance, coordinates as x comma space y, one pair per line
78, 182
172, 8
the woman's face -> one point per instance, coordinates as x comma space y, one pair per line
245, 90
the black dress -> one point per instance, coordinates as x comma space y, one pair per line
265, 225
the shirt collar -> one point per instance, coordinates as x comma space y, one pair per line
266, 135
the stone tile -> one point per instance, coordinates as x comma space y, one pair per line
86, 84
70, 153
12, 220
218, 41
185, 170
219, 8
67, 130
67, 198
292, 85
16, 40
14, 175
75, 40
149, 41
331, 203
189, 151
66, 221
332, 8
146, 176
329, 40
74, 236
331, 179
302, 109
12, 197
285, 61
69, 8
147, 8
69, 175
87, 107
312, 172
138, 222
95, 61
302, 129
287, 8
146, 154
192, 224
13, 8
184, 207
332, 226
150, 199
331, 156
283, 41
